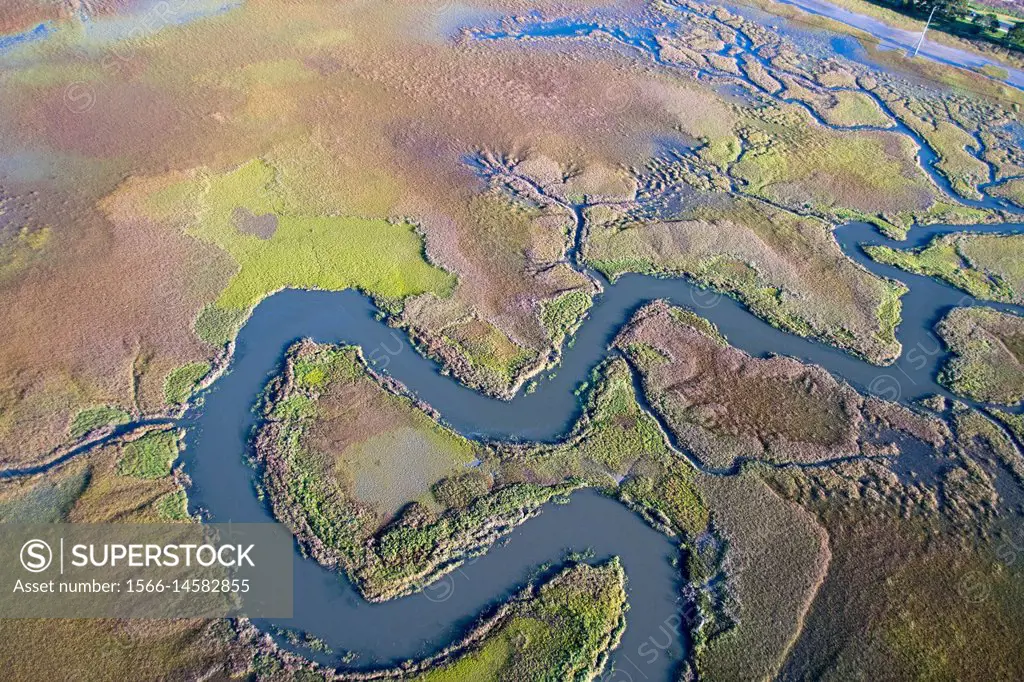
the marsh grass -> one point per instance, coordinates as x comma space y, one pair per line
496, 357
559, 631
93, 418
182, 382
724, 405
330, 252
799, 164
988, 348
1011, 189
108, 648
43, 501
563, 315
173, 506
987, 266
150, 456
777, 556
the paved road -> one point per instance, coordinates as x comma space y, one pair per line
896, 38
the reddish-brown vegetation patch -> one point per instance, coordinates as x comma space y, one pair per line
725, 405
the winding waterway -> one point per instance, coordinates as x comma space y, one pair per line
219, 427
326, 605
415, 626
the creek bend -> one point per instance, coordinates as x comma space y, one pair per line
326, 605
220, 426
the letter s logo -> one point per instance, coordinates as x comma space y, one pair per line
36, 556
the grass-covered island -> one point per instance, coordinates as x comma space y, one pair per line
988, 354
987, 266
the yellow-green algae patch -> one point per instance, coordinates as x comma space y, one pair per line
331, 252
24, 249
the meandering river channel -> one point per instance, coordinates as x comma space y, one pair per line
219, 427
327, 606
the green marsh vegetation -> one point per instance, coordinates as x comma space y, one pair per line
789, 166
317, 451
27, 247
1012, 189
988, 355
617, 447
563, 315
787, 268
844, 108
1013, 422
952, 124
218, 326
93, 418
149, 456
182, 382
987, 266
950, 141
560, 627
329, 252
173, 506
493, 358
560, 630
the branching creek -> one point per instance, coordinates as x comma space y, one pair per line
366, 636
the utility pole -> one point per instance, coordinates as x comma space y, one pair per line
917, 48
